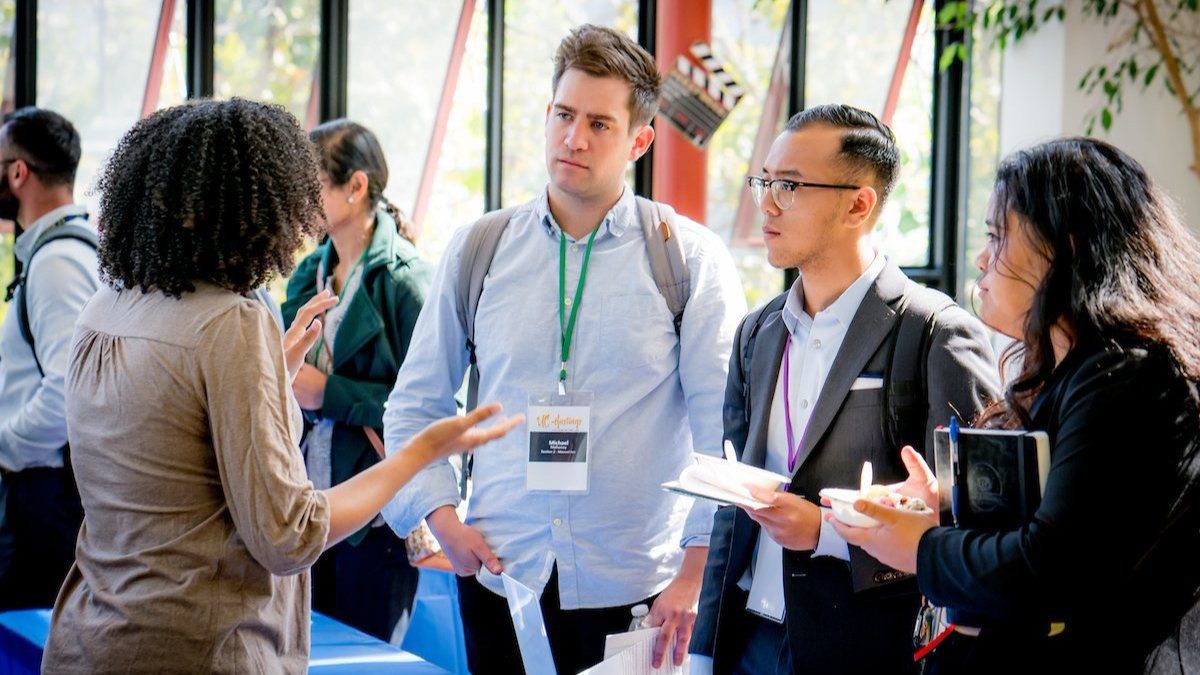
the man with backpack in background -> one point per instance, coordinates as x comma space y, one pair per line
849, 365
609, 320
56, 273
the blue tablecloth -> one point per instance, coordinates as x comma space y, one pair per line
336, 648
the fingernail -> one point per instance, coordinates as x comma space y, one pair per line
860, 506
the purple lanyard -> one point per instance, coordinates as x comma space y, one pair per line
793, 447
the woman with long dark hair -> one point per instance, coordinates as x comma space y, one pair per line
368, 260
199, 523
1090, 269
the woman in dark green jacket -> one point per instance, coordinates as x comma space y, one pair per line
370, 263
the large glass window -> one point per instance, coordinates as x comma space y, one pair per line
267, 50
400, 56
93, 66
852, 52
984, 154
752, 37
532, 31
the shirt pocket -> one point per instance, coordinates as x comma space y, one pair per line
636, 329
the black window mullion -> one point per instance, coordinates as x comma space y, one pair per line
796, 82
494, 160
201, 31
643, 169
948, 198
334, 64
24, 54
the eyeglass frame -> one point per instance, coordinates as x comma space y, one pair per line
769, 186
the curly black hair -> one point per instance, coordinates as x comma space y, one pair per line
218, 191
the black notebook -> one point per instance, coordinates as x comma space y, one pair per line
990, 479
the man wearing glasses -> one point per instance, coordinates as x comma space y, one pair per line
56, 273
851, 363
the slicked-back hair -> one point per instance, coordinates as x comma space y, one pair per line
600, 51
868, 145
47, 141
218, 191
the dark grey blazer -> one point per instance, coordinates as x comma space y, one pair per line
830, 627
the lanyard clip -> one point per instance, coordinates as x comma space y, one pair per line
562, 380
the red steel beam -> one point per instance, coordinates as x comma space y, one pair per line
910, 35
441, 121
162, 42
680, 168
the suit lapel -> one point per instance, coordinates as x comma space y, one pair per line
764, 371
871, 325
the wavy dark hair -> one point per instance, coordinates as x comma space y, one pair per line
1124, 268
218, 191
345, 147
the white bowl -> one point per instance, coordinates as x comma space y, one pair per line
841, 500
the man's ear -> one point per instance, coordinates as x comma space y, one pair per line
641, 142
862, 206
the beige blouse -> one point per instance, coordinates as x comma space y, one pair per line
199, 524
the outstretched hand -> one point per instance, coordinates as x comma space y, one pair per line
459, 433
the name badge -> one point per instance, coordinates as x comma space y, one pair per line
559, 430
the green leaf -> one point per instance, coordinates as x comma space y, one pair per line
947, 14
1106, 119
947, 58
962, 52
1110, 89
1151, 73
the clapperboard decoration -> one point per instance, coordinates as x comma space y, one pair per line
698, 96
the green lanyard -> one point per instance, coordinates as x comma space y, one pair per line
568, 326
349, 279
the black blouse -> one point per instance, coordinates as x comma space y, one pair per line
1120, 421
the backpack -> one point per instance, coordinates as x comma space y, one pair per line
905, 398
667, 265
64, 229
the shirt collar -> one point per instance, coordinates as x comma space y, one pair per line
23, 247
615, 222
843, 309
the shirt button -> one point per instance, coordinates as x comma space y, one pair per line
569, 302
557, 521
816, 344
574, 248
804, 404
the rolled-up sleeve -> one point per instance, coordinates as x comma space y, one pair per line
715, 307
281, 517
432, 373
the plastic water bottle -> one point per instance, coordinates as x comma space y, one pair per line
639, 612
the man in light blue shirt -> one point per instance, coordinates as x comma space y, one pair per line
39, 151
656, 394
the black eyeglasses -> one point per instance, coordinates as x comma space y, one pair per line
783, 191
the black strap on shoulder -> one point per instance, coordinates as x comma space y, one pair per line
754, 322
906, 400
64, 229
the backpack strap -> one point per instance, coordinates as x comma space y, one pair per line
752, 323
667, 264
906, 400
68, 228
478, 251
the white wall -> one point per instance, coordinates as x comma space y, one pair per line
1041, 99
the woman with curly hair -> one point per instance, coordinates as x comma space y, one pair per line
369, 261
199, 523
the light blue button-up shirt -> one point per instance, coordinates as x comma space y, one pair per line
657, 397
60, 281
